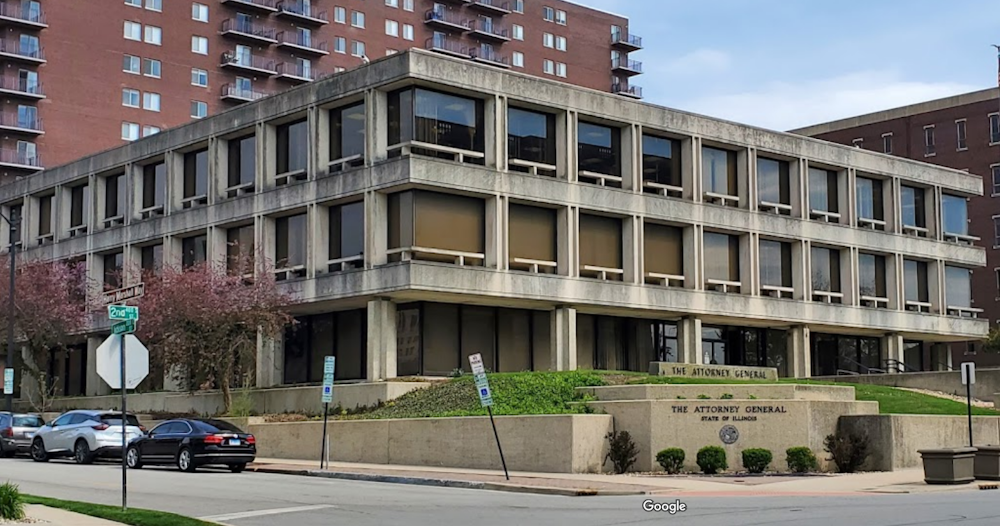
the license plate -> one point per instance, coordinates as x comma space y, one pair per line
234, 441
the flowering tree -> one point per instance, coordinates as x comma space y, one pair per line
203, 322
50, 311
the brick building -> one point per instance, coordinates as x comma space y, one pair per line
960, 132
79, 78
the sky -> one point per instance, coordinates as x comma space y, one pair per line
783, 64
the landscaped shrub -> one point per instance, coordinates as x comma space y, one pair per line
11, 502
847, 450
801, 460
712, 459
672, 460
622, 451
756, 460
726, 396
704, 397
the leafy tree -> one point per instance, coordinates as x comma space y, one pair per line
203, 322
992, 341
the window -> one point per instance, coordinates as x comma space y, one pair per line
548, 14
600, 244
199, 45
887, 143
825, 269
290, 241
152, 258
133, 30
27, 153
928, 141
113, 264
392, 28
775, 264
858, 143
599, 149
437, 220
293, 152
443, 119
150, 130
199, 77
154, 185
357, 48
151, 101
823, 191
960, 134
407, 32
548, 40
996, 231
114, 196
722, 258
134, 3
871, 276
994, 128
196, 174
130, 131
560, 69
151, 67
199, 12
29, 46
549, 67
517, 59
773, 183
531, 136
870, 206
392, 3
408, 5
242, 161
663, 249
194, 250
347, 230
915, 281
347, 132
131, 64
154, 35
45, 215
955, 214
239, 248
532, 236
958, 287
339, 15
340, 45
518, 6
995, 173
561, 17
912, 206
154, 5
79, 207
358, 19
130, 97
561, 43
718, 171
199, 109
661, 161
517, 32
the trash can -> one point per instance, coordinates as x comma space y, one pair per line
949, 466
987, 463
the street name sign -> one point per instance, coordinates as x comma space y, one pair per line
124, 294
122, 312
123, 327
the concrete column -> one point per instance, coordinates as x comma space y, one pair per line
568, 235
846, 197
377, 119
313, 166
492, 122
567, 160
267, 156
217, 238
892, 351
631, 165
693, 247
381, 339
217, 177
632, 249
637, 159
849, 276
796, 185
935, 286
693, 175
801, 277
314, 241
940, 357
376, 228
58, 198
932, 208
270, 361
319, 239
803, 194
563, 336
894, 281
494, 231
689, 340
750, 264
893, 212
799, 352
174, 185
95, 385
503, 125
745, 178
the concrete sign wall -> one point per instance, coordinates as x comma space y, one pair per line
721, 372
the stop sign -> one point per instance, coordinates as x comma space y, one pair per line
109, 362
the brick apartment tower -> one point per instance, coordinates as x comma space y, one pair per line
960, 132
79, 78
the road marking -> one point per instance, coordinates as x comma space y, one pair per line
262, 513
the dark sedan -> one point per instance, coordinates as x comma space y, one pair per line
190, 443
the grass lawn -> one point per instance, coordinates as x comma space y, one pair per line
134, 517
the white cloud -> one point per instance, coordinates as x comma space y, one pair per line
696, 63
785, 105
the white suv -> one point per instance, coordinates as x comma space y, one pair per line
84, 435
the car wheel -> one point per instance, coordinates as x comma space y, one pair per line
237, 468
185, 461
81, 452
132, 458
38, 453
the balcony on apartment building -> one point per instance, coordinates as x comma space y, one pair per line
11, 85
234, 93
626, 90
248, 62
448, 46
246, 30
21, 122
296, 72
625, 66
489, 56
20, 160
301, 12
23, 15
496, 7
267, 6
489, 31
295, 41
24, 52
446, 19
626, 42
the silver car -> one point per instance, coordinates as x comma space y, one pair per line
84, 435
16, 432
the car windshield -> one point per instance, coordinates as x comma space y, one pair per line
215, 426
28, 421
116, 420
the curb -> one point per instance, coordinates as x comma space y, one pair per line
446, 483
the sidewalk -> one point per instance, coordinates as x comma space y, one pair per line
904, 481
57, 517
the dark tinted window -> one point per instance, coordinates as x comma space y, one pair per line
242, 160
196, 173
28, 421
436, 118
661, 160
347, 131
62, 420
599, 149
154, 184
4, 421
116, 420
215, 426
80, 418
293, 140
531, 136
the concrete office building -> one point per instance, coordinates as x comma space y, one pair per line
423, 208
84, 76
961, 132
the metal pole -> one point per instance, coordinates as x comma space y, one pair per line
11, 355
322, 445
124, 429
496, 436
968, 397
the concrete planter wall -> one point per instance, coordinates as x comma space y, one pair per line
987, 463
949, 466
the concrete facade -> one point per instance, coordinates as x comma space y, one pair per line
896, 439
578, 309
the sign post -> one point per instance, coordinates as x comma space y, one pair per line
8, 381
968, 379
486, 399
122, 332
329, 364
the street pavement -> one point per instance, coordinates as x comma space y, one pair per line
262, 499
